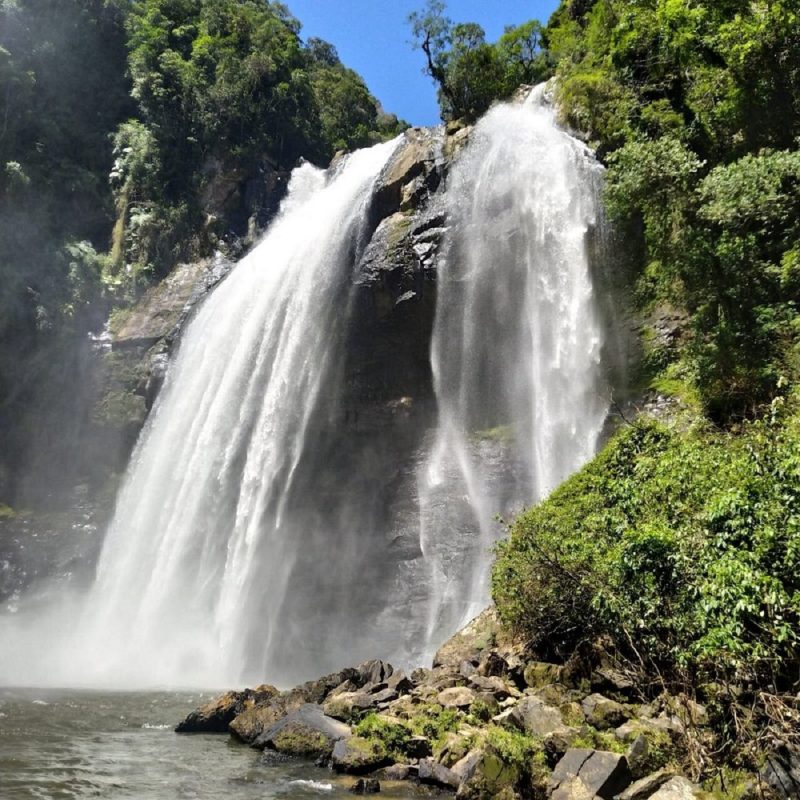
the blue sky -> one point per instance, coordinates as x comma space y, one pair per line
372, 37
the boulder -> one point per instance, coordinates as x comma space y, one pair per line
456, 697
483, 773
537, 718
366, 786
217, 715
465, 767
455, 746
435, 774
467, 669
539, 673
645, 787
679, 788
781, 772
316, 691
588, 773
493, 685
638, 755
304, 732
470, 642
417, 747
253, 721
357, 755
404, 707
374, 672
603, 713
348, 705
399, 682
485, 706
492, 664
400, 772
662, 724
607, 677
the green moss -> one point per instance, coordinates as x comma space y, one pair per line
299, 741
394, 736
435, 722
729, 784
117, 320
592, 739
120, 409
401, 223
675, 382
6, 512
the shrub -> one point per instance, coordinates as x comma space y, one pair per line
681, 547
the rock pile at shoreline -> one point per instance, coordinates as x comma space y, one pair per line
483, 722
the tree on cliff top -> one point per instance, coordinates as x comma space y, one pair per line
471, 73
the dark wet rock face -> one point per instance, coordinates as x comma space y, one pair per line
217, 715
781, 772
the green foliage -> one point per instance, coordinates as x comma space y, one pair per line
394, 736
166, 97
697, 108
435, 722
470, 72
681, 547
516, 749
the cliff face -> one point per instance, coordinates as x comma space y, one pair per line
386, 377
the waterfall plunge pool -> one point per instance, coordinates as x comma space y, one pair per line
77, 744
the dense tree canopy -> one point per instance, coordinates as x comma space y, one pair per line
696, 106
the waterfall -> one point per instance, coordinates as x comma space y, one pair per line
191, 585
516, 349
252, 539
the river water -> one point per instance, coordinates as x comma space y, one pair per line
64, 744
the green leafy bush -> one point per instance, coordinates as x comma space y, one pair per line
682, 547
394, 736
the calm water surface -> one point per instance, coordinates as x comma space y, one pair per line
69, 744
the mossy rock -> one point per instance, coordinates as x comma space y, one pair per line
539, 674
490, 777
252, 722
298, 740
359, 755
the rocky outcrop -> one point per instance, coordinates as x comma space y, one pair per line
216, 715
357, 755
305, 732
472, 725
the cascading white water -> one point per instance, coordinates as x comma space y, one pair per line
191, 582
516, 350
254, 538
